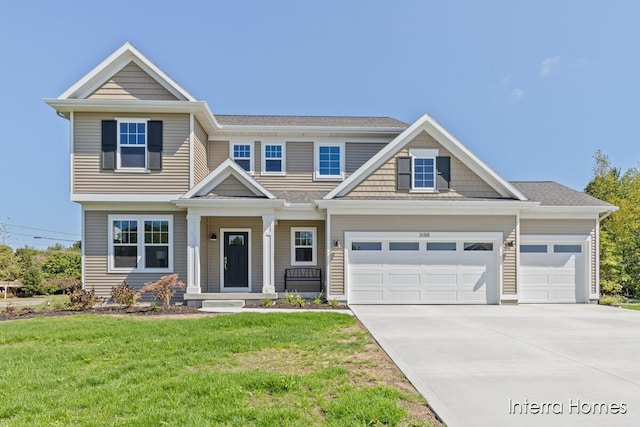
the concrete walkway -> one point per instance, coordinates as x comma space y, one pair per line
491, 365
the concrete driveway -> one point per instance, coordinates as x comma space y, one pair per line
526, 365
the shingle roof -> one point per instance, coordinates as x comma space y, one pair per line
329, 121
550, 193
300, 196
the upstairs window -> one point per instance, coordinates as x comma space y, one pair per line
273, 158
424, 169
242, 153
329, 161
132, 144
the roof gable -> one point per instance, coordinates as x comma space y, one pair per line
226, 177
132, 82
114, 64
427, 124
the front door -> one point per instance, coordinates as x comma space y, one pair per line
235, 261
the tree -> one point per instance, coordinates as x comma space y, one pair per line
620, 232
8, 266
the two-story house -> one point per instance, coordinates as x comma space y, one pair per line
388, 212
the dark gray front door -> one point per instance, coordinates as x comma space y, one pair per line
236, 259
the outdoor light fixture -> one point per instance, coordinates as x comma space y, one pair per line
336, 244
509, 243
213, 236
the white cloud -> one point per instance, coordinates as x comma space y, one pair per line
518, 93
547, 66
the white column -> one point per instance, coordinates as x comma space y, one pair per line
193, 254
268, 261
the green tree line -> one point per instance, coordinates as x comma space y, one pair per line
620, 231
42, 272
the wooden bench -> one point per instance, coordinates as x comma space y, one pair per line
7, 285
305, 276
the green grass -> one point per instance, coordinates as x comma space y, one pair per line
246, 369
631, 306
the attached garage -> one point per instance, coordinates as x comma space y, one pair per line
423, 268
554, 269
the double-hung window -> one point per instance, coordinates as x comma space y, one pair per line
424, 169
242, 153
140, 243
132, 143
303, 246
273, 159
329, 161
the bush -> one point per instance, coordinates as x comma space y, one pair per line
333, 303
318, 298
81, 299
63, 264
164, 289
267, 302
294, 299
124, 295
32, 281
609, 300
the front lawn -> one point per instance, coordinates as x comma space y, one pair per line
634, 306
247, 369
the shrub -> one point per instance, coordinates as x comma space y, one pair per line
60, 284
294, 299
333, 303
81, 299
609, 300
124, 295
318, 298
266, 302
32, 281
164, 289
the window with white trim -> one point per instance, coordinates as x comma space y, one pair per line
303, 246
273, 159
140, 243
132, 143
424, 169
329, 161
242, 153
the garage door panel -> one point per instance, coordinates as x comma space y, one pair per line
402, 279
367, 278
441, 279
474, 296
369, 296
404, 296
434, 296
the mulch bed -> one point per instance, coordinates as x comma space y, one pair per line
307, 306
13, 313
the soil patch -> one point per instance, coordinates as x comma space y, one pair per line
13, 313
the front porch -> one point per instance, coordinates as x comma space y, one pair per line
243, 257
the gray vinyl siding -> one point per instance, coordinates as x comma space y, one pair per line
96, 247
132, 83
359, 153
212, 261
464, 182
200, 160
283, 252
437, 223
88, 177
570, 227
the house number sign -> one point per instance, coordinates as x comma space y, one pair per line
423, 234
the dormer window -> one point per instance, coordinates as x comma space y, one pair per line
242, 153
424, 169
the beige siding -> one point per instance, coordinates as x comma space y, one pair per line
90, 178
283, 250
218, 153
464, 182
132, 83
200, 160
96, 253
343, 223
581, 227
232, 187
212, 263
358, 154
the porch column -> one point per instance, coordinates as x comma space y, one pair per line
193, 254
268, 262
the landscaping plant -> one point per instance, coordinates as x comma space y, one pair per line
125, 295
164, 289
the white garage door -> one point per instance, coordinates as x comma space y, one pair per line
442, 271
552, 272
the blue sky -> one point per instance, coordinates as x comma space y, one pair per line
533, 88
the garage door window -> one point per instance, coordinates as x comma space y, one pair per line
441, 246
478, 246
564, 249
533, 249
366, 246
404, 246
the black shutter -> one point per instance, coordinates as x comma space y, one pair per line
404, 173
154, 144
443, 166
109, 144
